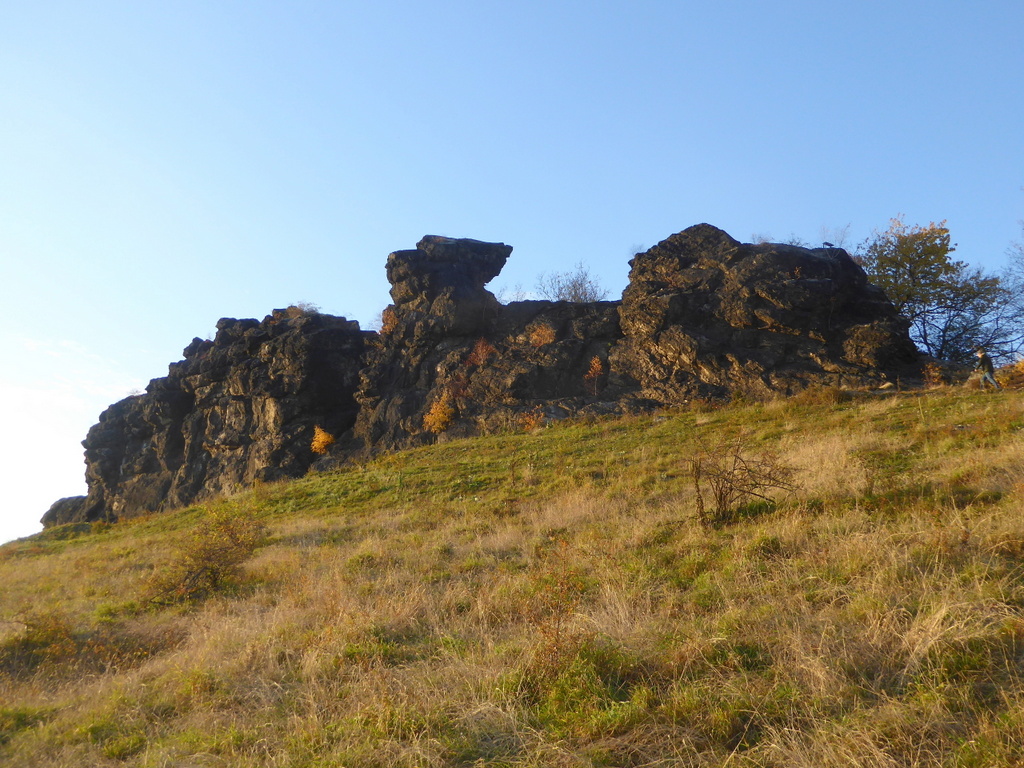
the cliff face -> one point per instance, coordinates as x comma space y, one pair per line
703, 316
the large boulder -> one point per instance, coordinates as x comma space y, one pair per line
706, 315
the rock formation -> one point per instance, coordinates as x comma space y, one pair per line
237, 410
450, 357
703, 316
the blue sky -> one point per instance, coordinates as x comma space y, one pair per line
163, 165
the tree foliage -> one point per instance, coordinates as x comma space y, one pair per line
952, 308
577, 286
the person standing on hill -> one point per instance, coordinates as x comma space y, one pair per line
988, 372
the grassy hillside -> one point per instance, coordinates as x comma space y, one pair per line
552, 599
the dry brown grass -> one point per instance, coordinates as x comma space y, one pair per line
568, 610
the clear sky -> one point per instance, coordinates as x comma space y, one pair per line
165, 164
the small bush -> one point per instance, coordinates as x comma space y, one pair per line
47, 640
322, 440
440, 415
593, 375
821, 395
209, 559
576, 286
933, 375
531, 420
481, 353
1011, 376
733, 473
301, 309
541, 335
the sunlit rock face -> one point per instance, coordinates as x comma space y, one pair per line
451, 359
706, 315
703, 316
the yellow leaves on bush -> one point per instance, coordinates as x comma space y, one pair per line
322, 440
531, 420
440, 415
933, 375
209, 558
593, 374
542, 335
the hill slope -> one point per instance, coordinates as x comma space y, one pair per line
550, 598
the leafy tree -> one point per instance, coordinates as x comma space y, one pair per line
952, 308
576, 286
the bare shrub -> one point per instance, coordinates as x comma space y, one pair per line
576, 286
301, 309
732, 472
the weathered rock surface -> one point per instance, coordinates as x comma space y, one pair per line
236, 410
451, 358
703, 316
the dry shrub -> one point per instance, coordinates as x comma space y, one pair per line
593, 374
541, 335
388, 320
481, 353
441, 414
1011, 376
733, 473
49, 644
531, 420
301, 309
322, 440
209, 559
821, 395
48, 639
933, 375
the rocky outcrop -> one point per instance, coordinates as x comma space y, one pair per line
237, 410
451, 359
703, 316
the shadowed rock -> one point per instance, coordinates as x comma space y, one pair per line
237, 410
